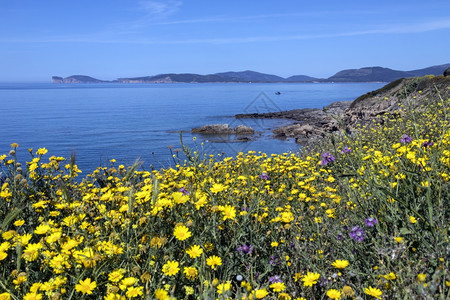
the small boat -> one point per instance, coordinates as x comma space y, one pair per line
277, 93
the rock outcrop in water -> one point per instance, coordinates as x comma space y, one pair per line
243, 129
217, 129
312, 124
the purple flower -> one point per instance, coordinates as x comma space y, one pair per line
357, 234
184, 191
275, 278
264, 176
323, 281
346, 150
245, 249
327, 158
370, 222
340, 236
405, 139
427, 144
273, 260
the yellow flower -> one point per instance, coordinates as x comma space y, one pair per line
398, 239
284, 296
246, 285
334, 294
181, 232
162, 294
24, 239
374, 292
20, 279
3, 255
277, 286
4, 246
261, 293
127, 282
19, 223
274, 244
54, 237
214, 261
9, 234
340, 263
86, 286
32, 296
195, 251
5, 296
208, 246
42, 229
412, 219
189, 290
310, 279
41, 151
348, 291
228, 212
116, 275
35, 287
158, 242
112, 296
223, 287
191, 273
297, 276
217, 187
422, 277
171, 268
133, 292
390, 276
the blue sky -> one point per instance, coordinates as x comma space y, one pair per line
125, 38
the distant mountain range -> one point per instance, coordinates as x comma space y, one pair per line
368, 74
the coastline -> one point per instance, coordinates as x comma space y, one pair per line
311, 124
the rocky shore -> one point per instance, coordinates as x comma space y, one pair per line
313, 124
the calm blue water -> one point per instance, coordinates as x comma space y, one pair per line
99, 122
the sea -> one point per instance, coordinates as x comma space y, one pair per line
147, 122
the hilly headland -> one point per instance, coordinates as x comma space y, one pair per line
366, 74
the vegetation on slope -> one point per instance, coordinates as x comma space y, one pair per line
358, 216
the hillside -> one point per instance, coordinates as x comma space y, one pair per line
173, 78
368, 74
301, 78
380, 74
412, 92
373, 107
249, 76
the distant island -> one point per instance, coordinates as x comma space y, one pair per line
367, 74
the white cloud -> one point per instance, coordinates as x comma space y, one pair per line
159, 9
442, 24
217, 19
